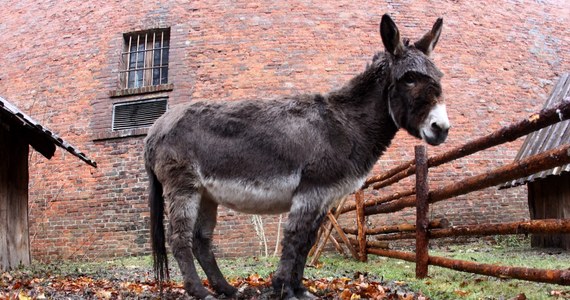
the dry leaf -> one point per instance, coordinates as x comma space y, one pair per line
519, 297
534, 118
23, 296
461, 293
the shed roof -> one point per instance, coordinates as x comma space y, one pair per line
549, 137
40, 138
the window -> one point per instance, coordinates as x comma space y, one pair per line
145, 58
137, 114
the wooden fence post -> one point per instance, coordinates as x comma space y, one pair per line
361, 225
422, 209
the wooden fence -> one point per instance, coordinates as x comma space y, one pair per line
421, 197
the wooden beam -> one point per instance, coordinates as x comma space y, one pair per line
370, 244
380, 200
534, 226
422, 211
342, 235
361, 225
530, 274
14, 231
324, 236
524, 227
433, 224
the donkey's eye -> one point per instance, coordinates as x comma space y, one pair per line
409, 80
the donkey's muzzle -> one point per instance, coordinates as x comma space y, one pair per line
435, 128
437, 134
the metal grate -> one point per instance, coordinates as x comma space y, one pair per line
137, 114
145, 58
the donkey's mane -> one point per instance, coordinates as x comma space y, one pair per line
363, 84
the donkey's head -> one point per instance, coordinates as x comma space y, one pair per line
415, 99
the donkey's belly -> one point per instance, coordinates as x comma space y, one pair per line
255, 197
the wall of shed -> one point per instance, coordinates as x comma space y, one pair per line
14, 231
62, 60
549, 198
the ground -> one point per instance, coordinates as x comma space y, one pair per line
335, 277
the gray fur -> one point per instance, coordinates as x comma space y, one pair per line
297, 154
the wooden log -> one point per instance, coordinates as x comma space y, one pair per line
380, 200
319, 247
522, 168
403, 255
388, 174
343, 236
397, 177
371, 244
518, 169
396, 236
422, 211
337, 246
530, 274
526, 227
361, 225
509, 133
317, 241
436, 223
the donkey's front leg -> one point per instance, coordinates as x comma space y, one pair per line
299, 236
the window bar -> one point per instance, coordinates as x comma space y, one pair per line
137, 61
144, 58
160, 68
152, 56
128, 61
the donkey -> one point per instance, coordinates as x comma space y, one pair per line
298, 154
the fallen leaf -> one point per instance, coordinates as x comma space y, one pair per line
103, 294
345, 295
461, 293
534, 118
23, 296
406, 297
519, 297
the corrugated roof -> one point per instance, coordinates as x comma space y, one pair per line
549, 137
6, 108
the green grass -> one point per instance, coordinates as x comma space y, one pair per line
444, 283
441, 283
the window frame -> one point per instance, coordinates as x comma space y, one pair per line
145, 42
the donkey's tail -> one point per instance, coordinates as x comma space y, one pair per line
158, 240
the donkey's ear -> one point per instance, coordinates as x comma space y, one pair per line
427, 43
391, 36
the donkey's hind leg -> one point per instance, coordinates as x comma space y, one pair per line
202, 247
183, 213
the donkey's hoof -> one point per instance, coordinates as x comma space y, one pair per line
305, 295
226, 290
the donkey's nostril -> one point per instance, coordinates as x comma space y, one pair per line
435, 127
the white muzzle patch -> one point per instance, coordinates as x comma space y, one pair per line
435, 127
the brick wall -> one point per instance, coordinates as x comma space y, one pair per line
60, 62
